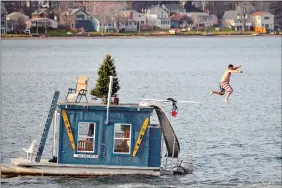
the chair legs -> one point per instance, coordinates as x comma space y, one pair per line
80, 96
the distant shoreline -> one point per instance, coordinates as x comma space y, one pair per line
130, 37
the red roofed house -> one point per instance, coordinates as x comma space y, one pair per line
180, 21
263, 20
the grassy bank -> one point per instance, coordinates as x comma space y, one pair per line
69, 34
63, 33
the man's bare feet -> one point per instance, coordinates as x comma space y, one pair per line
226, 101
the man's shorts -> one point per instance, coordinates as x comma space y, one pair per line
224, 86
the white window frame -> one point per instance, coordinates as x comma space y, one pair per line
130, 137
79, 136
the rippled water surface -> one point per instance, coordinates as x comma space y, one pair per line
236, 145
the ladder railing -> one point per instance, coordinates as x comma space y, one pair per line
47, 126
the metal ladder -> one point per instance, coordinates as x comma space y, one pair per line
47, 126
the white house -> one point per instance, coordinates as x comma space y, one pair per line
263, 20
17, 16
158, 16
203, 18
129, 20
136, 16
233, 20
16, 21
200, 17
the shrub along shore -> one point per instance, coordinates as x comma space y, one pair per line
68, 34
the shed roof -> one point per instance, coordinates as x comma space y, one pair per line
99, 106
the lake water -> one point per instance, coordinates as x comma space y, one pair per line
236, 145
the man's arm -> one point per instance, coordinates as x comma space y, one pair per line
235, 68
235, 71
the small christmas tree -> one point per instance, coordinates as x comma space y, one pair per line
106, 70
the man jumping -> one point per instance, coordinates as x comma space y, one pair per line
224, 83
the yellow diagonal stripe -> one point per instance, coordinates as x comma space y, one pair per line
140, 137
68, 128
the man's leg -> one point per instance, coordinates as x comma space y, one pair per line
217, 92
221, 92
229, 92
227, 96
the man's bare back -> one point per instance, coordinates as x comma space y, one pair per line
224, 82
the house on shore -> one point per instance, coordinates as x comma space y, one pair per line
43, 13
199, 16
3, 19
263, 20
180, 20
16, 22
42, 18
234, 21
158, 16
105, 23
74, 18
132, 20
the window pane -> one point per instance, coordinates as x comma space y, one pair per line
122, 145
122, 138
122, 131
86, 129
85, 144
85, 141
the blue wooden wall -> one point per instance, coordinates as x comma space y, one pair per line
105, 135
155, 147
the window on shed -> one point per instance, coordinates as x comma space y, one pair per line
86, 136
122, 138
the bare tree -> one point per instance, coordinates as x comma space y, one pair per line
243, 8
117, 14
108, 11
261, 5
94, 8
63, 6
21, 19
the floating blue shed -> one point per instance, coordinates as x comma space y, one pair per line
97, 143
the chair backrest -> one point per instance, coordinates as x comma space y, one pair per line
82, 82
